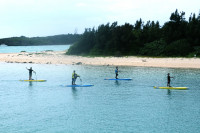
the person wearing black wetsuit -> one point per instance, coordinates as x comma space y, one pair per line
30, 73
116, 72
168, 79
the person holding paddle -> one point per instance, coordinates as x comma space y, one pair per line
169, 79
116, 72
74, 77
30, 72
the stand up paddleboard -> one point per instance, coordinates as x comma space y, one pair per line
33, 80
79, 85
175, 88
119, 79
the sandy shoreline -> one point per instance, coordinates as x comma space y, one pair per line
59, 57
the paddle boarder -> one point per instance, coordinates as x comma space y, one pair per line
169, 79
116, 72
74, 77
30, 72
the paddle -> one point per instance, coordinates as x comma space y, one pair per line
35, 75
80, 80
173, 78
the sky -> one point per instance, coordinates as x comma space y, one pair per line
32, 18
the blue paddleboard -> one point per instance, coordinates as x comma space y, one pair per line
79, 85
119, 79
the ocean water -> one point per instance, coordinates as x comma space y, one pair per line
17, 49
109, 106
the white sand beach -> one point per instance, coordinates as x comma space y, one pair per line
59, 57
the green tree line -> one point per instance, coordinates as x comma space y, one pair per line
49, 40
177, 37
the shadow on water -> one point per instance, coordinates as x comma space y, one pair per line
30, 84
168, 92
117, 83
74, 92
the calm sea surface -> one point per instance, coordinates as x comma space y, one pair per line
17, 49
109, 106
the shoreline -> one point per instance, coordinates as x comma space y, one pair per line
59, 57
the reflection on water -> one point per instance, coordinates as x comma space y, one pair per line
74, 91
30, 84
117, 83
168, 92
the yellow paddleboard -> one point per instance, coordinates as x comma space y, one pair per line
175, 88
33, 80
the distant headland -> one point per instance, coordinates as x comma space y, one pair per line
34, 41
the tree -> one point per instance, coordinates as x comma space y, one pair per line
175, 29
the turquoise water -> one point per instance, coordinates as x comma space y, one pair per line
17, 49
108, 106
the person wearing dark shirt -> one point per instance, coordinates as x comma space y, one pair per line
30, 73
116, 72
169, 79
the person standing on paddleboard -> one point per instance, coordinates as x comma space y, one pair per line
74, 77
30, 72
169, 79
116, 72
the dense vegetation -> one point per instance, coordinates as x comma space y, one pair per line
177, 37
49, 40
